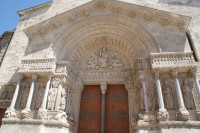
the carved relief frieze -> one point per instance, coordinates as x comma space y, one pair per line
37, 66
168, 61
104, 60
108, 76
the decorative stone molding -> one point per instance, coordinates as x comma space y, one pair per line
65, 68
114, 7
143, 64
109, 54
37, 66
167, 61
52, 123
106, 76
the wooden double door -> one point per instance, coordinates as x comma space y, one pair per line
116, 119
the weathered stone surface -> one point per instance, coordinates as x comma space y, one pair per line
69, 44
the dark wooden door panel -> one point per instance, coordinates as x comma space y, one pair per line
2, 112
116, 118
90, 110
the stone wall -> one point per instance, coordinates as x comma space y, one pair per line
5, 39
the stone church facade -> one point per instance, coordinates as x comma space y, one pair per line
103, 66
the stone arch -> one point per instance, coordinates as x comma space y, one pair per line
137, 40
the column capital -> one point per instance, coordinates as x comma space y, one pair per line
129, 85
193, 71
34, 76
49, 76
175, 73
157, 75
103, 87
79, 86
20, 77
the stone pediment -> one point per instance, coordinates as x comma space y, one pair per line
111, 8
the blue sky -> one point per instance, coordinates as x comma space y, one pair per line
8, 12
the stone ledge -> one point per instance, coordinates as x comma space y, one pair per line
167, 124
35, 122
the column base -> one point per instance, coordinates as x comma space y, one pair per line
183, 114
42, 114
26, 113
10, 113
162, 115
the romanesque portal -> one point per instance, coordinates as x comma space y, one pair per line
102, 66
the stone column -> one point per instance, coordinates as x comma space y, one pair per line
44, 101
77, 100
162, 113
10, 112
182, 113
103, 90
196, 81
30, 96
131, 102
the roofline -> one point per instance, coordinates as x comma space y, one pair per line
22, 12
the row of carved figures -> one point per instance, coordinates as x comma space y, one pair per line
59, 98
169, 95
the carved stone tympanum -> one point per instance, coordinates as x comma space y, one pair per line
104, 59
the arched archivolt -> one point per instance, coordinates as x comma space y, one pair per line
133, 38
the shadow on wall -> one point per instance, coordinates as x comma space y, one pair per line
189, 3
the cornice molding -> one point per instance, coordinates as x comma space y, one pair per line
34, 8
